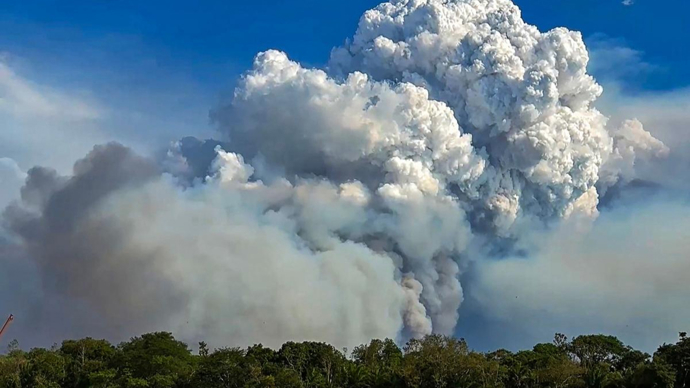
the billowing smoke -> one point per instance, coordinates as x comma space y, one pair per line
213, 260
340, 204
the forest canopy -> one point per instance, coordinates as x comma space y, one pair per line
159, 360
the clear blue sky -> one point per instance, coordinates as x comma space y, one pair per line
212, 42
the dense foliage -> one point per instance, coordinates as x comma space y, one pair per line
158, 360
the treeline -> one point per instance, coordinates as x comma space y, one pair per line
158, 360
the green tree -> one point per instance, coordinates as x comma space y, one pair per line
438, 361
678, 357
318, 364
84, 358
43, 369
11, 366
157, 359
651, 375
222, 368
377, 364
591, 350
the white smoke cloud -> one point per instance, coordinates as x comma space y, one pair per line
512, 134
341, 204
524, 95
667, 115
608, 278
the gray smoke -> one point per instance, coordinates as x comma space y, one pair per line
624, 275
213, 261
343, 204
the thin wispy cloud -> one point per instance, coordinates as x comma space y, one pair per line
21, 98
613, 59
41, 123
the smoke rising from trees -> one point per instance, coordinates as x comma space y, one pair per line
343, 204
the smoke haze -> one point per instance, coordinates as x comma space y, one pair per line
445, 140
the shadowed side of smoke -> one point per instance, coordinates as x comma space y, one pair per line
146, 254
190, 159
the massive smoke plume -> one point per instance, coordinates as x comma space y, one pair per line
339, 204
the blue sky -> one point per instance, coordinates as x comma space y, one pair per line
155, 68
210, 43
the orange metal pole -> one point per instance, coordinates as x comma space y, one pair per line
7, 323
